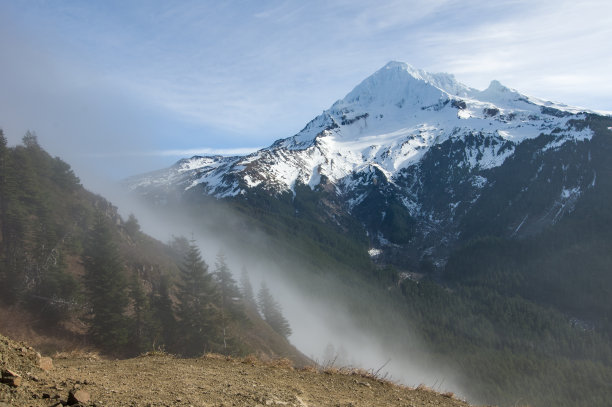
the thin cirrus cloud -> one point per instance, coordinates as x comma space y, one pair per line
558, 50
178, 152
157, 78
512, 41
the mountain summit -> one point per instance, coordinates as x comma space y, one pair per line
403, 144
398, 81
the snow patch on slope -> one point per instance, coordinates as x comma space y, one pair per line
388, 123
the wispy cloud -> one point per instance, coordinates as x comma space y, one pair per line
265, 69
176, 153
154, 75
544, 48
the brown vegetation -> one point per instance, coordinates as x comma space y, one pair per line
158, 379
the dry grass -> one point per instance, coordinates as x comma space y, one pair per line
77, 354
216, 356
156, 352
251, 360
450, 395
282, 363
423, 387
309, 369
331, 370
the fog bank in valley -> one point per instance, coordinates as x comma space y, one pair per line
335, 321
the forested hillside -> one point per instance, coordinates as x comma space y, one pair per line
83, 276
507, 332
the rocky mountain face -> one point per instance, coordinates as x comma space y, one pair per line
420, 160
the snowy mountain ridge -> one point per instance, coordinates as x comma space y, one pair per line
389, 121
419, 160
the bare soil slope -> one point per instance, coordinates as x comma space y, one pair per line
162, 380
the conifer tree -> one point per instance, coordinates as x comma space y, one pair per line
197, 313
17, 178
63, 176
248, 296
3, 168
141, 324
229, 293
58, 292
3, 210
271, 311
163, 316
132, 227
230, 304
30, 140
106, 285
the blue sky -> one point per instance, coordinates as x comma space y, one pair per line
123, 87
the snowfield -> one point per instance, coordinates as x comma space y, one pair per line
388, 122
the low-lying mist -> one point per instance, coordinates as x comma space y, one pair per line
336, 318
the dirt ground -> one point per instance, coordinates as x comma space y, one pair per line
162, 380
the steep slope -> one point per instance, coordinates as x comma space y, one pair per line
567, 264
411, 156
46, 224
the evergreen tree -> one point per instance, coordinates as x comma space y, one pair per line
248, 296
17, 190
58, 293
63, 176
105, 283
3, 210
141, 324
163, 316
3, 168
271, 311
197, 312
30, 140
31, 232
132, 227
180, 247
230, 304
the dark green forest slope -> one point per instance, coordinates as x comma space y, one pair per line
523, 320
514, 317
82, 274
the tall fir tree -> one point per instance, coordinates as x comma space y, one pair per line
141, 324
3, 168
18, 205
271, 311
58, 294
132, 227
30, 140
198, 315
230, 301
32, 234
3, 210
106, 285
165, 325
246, 288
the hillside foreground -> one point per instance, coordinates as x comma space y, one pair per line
157, 379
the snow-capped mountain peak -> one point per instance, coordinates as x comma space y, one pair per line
387, 122
414, 157
398, 83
